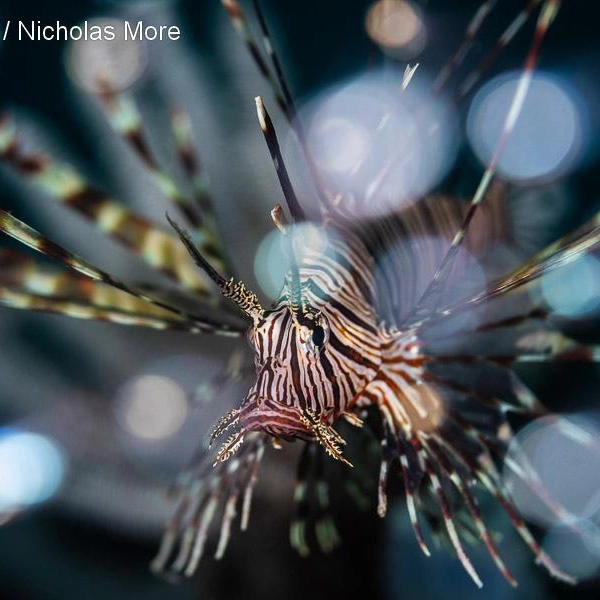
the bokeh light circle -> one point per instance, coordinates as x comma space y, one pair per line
571, 550
396, 27
272, 260
32, 467
564, 455
152, 407
547, 137
573, 290
410, 264
374, 146
271, 263
116, 63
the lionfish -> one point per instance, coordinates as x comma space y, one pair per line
350, 338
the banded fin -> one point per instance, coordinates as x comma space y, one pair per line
35, 240
566, 249
63, 183
200, 496
413, 242
240, 24
125, 119
430, 299
24, 284
312, 504
486, 473
503, 41
181, 128
475, 24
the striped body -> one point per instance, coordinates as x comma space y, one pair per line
358, 364
294, 374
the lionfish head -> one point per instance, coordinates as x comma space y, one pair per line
289, 357
313, 352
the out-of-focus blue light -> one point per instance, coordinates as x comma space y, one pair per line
32, 467
547, 137
271, 263
412, 262
272, 260
574, 289
572, 551
555, 461
376, 147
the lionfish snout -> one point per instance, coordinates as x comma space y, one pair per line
281, 421
259, 413
291, 422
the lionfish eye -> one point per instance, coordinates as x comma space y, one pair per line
318, 336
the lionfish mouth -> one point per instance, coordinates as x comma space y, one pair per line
258, 414
274, 418
279, 421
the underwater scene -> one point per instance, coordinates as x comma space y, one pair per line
299, 299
